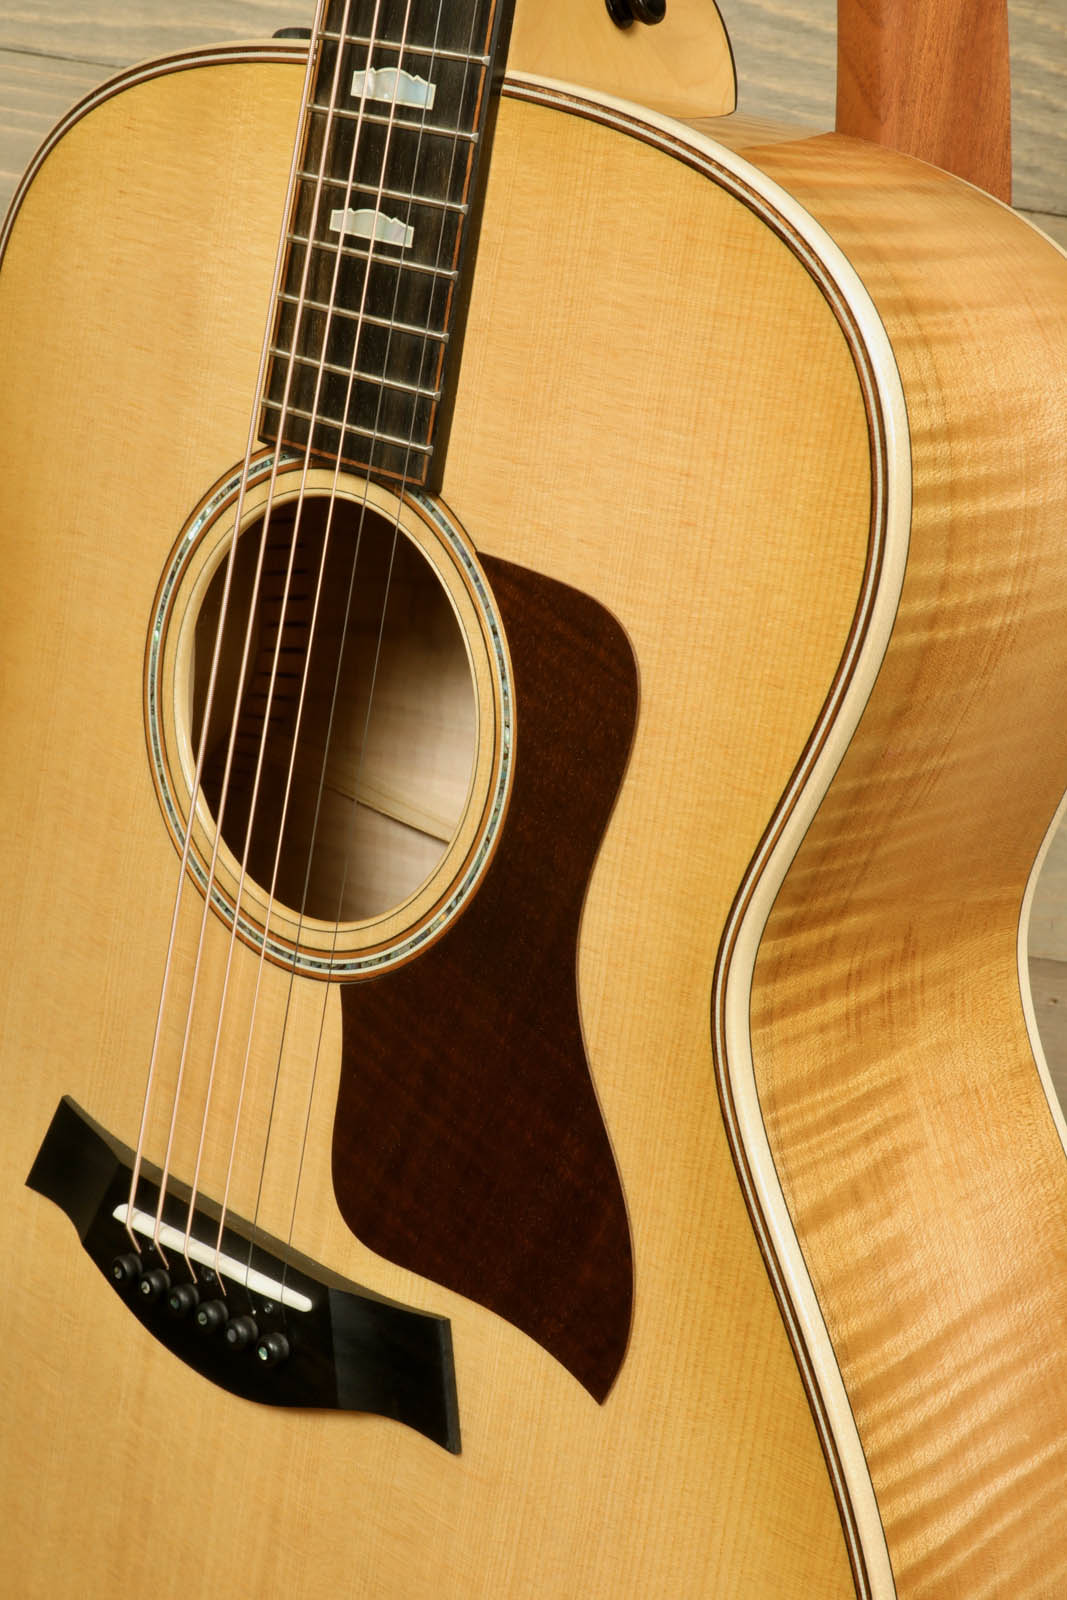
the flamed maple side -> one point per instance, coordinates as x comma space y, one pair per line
690, 412
921, 1157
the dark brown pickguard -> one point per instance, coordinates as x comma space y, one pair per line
469, 1144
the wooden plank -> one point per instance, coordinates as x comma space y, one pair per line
784, 51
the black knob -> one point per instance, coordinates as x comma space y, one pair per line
185, 1297
240, 1333
125, 1270
625, 12
154, 1284
272, 1348
211, 1315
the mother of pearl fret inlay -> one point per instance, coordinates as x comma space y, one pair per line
394, 86
367, 224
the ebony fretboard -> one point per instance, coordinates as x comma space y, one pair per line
379, 243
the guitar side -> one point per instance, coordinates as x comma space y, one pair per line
887, 997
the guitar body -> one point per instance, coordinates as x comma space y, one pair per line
678, 401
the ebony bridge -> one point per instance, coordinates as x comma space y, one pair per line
262, 1321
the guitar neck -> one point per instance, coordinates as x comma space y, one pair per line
931, 78
382, 224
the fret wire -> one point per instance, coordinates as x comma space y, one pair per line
459, 206
367, 316
373, 257
346, 427
355, 374
383, 121
408, 49
311, 341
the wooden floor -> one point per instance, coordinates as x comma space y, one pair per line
1048, 981
52, 53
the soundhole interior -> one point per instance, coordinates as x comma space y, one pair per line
354, 730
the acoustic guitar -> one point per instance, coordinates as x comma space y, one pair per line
530, 649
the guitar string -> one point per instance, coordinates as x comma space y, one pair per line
209, 697
328, 529
253, 799
448, 190
433, 53
307, 112
246, 652
313, 628
333, 498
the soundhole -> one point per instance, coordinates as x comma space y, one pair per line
350, 733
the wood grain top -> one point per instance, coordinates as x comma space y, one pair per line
703, 1473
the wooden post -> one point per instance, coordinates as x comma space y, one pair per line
931, 78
